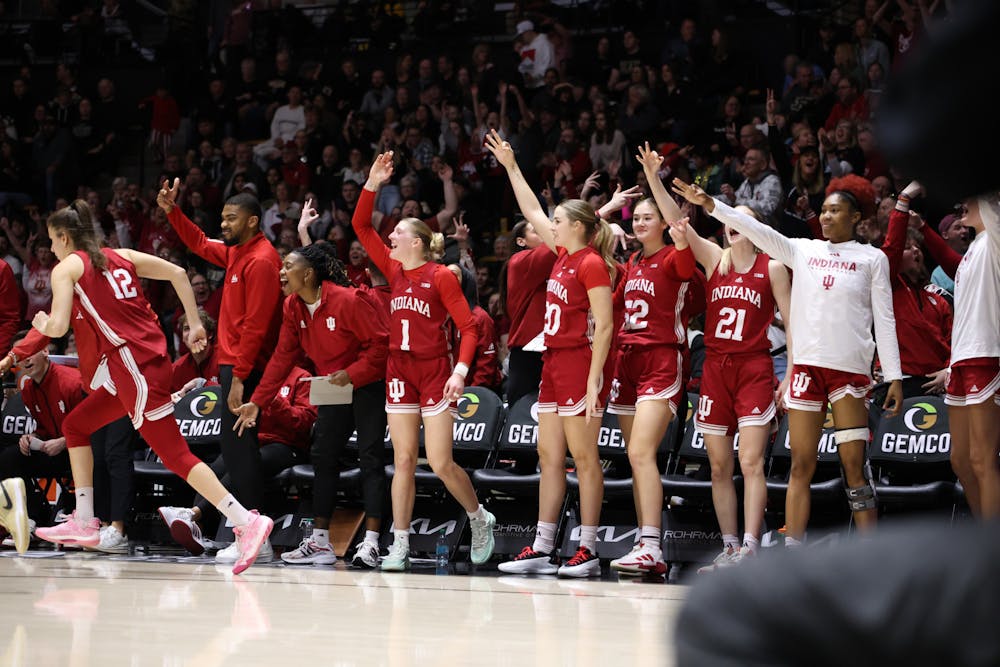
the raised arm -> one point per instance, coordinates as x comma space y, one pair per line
526, 199
763, 236
210, 250
445, 215
989, 211
308, 216
380, 172
150, 266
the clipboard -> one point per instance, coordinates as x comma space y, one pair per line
321, 392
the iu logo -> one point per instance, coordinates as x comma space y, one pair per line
285, 391
800, 383
704, 407
397, 389
62, 407
827, 281
331, 323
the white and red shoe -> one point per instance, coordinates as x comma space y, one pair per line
584, 563
640, 561
250, 538
183, 528
73, 532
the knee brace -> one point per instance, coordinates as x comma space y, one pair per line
859, 498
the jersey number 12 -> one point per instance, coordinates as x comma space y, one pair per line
121, 283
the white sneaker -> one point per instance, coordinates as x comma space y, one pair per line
309, 552
643, 560
365, 556
617, 561
112, 542
398, 558
183, 528
231, 554
9, 540
584, 563
723, 560
530, 561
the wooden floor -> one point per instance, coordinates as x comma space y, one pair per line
88, 610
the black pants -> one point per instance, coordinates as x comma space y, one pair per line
274, 457
524, 373
113, 469
333, 430
241, 453
37, 464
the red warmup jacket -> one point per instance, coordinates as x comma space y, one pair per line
923, 319
10, 306
250, 315
349, 331
87, 346
51, 400
187, 369
484, 371
289, 417
527, 275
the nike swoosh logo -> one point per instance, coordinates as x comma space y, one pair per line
9, 503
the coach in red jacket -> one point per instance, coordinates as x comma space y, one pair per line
49, 392
248, 319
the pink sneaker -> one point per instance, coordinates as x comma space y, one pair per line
72, 531
250, 538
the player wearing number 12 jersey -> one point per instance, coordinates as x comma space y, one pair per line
420, 380
133, 375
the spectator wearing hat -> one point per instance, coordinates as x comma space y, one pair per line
956, 235
537, 55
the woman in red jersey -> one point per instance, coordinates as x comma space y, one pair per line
522, 297
737, 385
346, 336
649, 366
133, 375
420, 380
578, 331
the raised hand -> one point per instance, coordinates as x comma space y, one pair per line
167, 197
649, 159
691, 193
501, 150
381, 171
446, 173
622, 197
309, 214
771, 107
461, 233
678, 232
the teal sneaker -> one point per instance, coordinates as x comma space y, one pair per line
398, 559
482, 538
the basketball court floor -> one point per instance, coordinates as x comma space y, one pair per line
87, 610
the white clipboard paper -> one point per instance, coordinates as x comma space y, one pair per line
321, 392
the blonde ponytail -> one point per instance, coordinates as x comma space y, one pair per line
604, 243
433, 241
437, 246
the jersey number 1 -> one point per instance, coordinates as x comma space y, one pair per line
121, 283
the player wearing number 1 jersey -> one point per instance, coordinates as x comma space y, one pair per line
133, 375
420, 379
840, 291
578, 332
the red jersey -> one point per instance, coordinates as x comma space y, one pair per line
358, 275
527, 273
348, 331
382, 294
568, 320
740, 309
51, 400
186, 368
654, 293
923, 319
112, 302
250, 314
422, 298
289, 417
485, 368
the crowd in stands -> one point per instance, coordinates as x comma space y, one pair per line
269, 113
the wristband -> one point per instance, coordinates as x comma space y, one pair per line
461, 369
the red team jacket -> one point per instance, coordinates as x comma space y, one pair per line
348, 332
248, 323
51, 400
422, 298
187, 369
289, 417
10, 306
923, 319
527, 275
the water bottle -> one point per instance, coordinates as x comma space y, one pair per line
441, 552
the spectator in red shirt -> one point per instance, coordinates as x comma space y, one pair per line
850, 104
49, 392
484, 371
166, 118
10, 306
294, 171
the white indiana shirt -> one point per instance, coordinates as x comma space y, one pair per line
838, 291
976, 329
